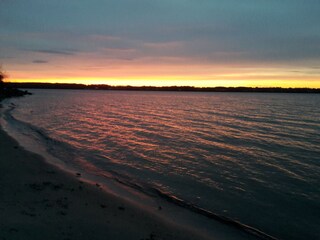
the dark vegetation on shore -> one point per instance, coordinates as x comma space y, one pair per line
8, 91
151, 88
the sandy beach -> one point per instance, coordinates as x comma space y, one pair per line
39, 201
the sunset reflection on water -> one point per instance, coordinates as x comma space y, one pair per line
232, 153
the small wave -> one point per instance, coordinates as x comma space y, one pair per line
158, 143
215, 216
156, 192
35, 137
64, 151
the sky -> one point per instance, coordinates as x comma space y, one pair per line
204, 43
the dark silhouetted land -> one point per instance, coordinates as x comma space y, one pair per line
170, 88
7, 91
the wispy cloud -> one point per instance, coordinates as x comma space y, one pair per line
40, 61
59, 52
197, 35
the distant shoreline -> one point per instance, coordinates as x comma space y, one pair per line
169, 88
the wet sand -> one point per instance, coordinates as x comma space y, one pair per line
39, 201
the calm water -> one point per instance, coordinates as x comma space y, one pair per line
254, 158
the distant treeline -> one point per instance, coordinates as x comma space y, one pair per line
172, 88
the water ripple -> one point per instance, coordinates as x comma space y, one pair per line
244, 155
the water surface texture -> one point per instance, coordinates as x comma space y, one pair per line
253, 158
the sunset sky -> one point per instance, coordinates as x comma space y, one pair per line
162, 42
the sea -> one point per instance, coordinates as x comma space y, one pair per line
248, 160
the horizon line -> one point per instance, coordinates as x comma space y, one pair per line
150, 87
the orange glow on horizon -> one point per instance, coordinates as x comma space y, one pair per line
168, 72
183, 81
